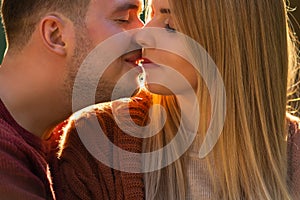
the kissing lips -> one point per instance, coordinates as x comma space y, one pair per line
133, 57
146, 61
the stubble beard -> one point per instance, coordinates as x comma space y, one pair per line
105, 86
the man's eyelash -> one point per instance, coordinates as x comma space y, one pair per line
122, 20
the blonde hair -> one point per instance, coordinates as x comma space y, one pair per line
250, 43
293, 106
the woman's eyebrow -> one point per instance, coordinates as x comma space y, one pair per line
165, 11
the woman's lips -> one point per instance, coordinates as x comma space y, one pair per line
146, 61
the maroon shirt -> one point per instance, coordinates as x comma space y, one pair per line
24, 172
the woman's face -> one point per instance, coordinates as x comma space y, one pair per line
161, 66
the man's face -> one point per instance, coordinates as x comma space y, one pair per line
105, 18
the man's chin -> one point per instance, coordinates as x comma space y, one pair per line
109, 92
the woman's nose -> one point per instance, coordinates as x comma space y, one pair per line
145, 38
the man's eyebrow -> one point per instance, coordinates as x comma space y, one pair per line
165, 11
127, 6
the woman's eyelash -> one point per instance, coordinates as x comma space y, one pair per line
169, 28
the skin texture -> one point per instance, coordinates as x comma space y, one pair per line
157, 58
36, 82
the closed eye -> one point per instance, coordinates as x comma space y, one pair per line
122, 20
169, 28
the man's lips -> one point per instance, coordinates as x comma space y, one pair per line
133, 59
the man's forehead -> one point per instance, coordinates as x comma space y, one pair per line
118, 3
111, 7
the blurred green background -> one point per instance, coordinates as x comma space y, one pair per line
293, 4
2, 42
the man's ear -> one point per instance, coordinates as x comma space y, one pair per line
53, 29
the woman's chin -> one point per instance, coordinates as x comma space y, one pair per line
159, 89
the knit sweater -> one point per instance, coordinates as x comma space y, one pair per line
24, 171
293, 152
81, 176
78, 175
199, 181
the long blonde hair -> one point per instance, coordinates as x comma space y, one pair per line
250, 43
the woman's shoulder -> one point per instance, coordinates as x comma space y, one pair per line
135, 108
107, 115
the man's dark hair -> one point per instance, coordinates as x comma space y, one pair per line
20, 17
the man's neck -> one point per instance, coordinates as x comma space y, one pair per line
22, 98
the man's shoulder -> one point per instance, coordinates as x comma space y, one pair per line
12, 145
7, 131
20, 178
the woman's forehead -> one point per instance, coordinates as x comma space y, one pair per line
159, 3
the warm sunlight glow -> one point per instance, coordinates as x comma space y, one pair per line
142, 76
